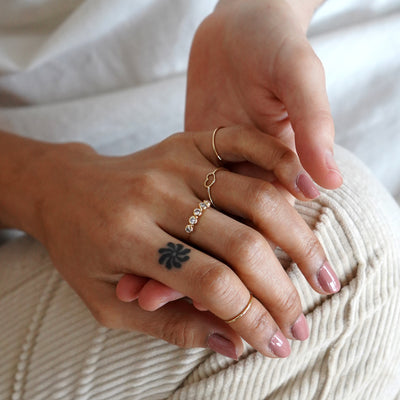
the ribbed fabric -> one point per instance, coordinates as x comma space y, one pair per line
51, 347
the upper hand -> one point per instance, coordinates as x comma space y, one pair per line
251, 63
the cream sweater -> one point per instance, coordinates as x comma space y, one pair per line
52, 348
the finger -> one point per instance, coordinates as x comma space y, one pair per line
199, 306
248, 253
239, 144
154, 295
178, 323
129, 287
212, 284
254, 171
151, 294
261, 203
301, 87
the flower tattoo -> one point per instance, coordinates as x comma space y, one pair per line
173, 255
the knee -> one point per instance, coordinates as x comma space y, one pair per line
359, 227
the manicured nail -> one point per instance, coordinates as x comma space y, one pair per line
307, 186
331, 163
327, 279
300, 329
222, 346
279, 345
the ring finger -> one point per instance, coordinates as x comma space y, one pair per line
248, 253
261, 203
213, 284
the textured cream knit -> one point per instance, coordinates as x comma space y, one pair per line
51, 347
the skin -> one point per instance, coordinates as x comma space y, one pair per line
107, 241
251, 63
105, 234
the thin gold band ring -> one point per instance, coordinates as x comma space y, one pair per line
213, 144
242, 313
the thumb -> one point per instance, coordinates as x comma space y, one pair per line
303, 91
178, 322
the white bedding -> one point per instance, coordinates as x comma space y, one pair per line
113, 74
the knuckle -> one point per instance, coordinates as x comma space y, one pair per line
263, 201
216, 281
179, 333
287, 157
311, 248
261, 323
146, 181
289, 302
248, 247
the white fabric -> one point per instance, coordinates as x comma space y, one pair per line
71, 61
112, 73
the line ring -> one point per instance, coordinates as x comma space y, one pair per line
209, 181
242, 313
214, 147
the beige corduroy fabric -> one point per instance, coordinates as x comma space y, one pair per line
51, 347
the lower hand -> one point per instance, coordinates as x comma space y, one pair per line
108, 216
117, 213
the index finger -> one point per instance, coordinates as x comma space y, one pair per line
301, 85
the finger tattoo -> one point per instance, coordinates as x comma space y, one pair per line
173, 255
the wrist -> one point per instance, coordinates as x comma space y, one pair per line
30, 172
303, 9
59, 166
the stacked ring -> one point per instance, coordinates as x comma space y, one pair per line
197, 213
214, 147
209, 181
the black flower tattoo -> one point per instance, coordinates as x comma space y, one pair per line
173, 255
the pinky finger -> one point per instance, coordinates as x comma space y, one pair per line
129, 287
155, 294
151, 294
178, 323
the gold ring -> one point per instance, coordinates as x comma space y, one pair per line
209, 181
243, 312
213, 144
197, 213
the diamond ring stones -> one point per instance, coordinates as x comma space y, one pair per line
197, 213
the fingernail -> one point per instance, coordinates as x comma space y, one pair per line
307, 186
327, 279
300, 329
222, 346
279, 345
331, 163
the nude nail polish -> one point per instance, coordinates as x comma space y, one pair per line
279, 345
327, 279
300, 329
307, 186
222, 346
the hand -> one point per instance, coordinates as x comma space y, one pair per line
108, 216
251, 64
